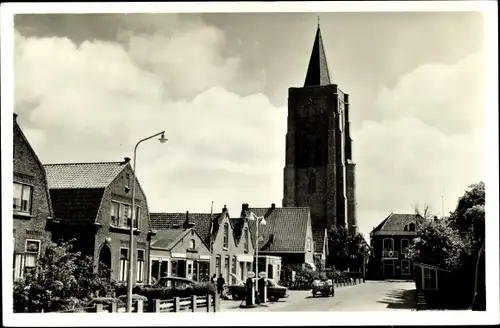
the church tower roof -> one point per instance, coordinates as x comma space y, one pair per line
317, 72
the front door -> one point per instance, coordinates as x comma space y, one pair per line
389, 269
189, 269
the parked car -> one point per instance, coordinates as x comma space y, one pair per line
274, 291
174, 282
325, 288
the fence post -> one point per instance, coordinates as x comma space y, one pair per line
140, 305
114, 307
177, 305
193, 303
99, 308
209, 301
216, 303
157, 304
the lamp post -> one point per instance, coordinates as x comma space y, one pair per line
130, 282
259, 221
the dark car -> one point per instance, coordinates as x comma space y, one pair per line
174, 282
274, 291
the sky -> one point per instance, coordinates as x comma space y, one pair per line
89, 86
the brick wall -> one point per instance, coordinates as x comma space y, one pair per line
28, 170
121, 237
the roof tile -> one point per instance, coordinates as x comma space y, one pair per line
82, 175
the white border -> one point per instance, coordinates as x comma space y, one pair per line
491, 316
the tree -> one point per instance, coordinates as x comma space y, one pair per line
468, 217
424, 211
338, 248
61, 280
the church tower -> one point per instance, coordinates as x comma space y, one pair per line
319, 171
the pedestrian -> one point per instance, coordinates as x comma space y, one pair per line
214, 278
220, 285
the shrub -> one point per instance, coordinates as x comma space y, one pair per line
152, 292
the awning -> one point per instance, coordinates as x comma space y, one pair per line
311, 265
244, 258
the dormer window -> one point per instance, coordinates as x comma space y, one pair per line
411, 227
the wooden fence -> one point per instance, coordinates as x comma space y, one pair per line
193, 303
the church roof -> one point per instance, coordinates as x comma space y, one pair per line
317, 72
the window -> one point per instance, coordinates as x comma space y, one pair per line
404, 245
174, 267
137, 217
190, 269
121, 215
226, 268
242, 271
123, 264
249, 267
245, 245
32, 252
217, 265
411, 227
140, 266
226, 235
430, 279
192, 244
309, 244
388, 244
233, 269
312, 182
163, 269
115, 209
22, 198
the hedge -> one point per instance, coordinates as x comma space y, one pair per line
152, 292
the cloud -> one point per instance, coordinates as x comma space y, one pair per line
428, 144
448, 97
92, 101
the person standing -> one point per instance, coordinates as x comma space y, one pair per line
220, 285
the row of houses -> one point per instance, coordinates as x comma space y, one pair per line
91, 203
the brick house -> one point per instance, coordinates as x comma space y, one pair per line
231, 252
179, 252
389, 241
92, 202
287, 234
32, 210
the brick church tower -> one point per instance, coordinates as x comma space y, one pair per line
319, 172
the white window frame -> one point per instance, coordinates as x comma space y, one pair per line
426, 277
309, 244
123, 221
246, 236
123, 273
140, 266
392, 244
30, 203
226, 236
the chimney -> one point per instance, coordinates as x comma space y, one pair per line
188, 224
273, 206
224, 210
126, 160
244, 210
15, 117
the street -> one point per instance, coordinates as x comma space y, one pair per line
370, 296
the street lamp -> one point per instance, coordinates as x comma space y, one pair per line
130, 282
259, 221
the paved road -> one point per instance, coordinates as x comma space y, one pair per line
371, 296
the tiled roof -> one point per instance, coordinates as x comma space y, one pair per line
288, 225
82, 175
166, 239
165, 221
319, 239
397, 222
76, 205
